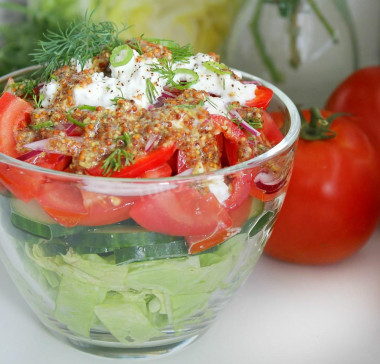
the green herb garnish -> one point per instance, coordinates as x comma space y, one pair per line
121, 55
81, 40
38, 100
119, 158
135, 44
151, 91
82, 107
166, 71
46, 124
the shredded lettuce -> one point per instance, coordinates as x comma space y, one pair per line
136, 302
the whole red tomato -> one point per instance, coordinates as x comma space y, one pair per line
332, 207
359, 94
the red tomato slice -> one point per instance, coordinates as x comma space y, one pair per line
105, 209
229, 129
14, 114
200, 243
23, 184
164, 170
241, 214
240, 188
145, 163
262, 98
270, 129
63, 202
54, 161
182, 211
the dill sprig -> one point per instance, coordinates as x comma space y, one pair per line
119, 158
181, 54
81, 40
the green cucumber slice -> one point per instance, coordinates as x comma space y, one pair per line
108, 239
31, 217
173, 249
53, 247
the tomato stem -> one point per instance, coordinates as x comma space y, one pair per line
319, 127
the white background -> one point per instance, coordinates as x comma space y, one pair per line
284, 313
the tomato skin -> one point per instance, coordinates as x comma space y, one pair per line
263, 95
359, 95
332, 207
164, 170
145, 163
104, 209
240, 188
183, 211
14, 113
270, 129
63, 202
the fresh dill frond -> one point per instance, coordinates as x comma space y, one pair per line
151, 91
38, 100
181, 54
212, 103
117, 98
164, 68
119, 158
81, 40
25, 88
135, 44
256, 123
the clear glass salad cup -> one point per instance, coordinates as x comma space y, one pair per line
118, 290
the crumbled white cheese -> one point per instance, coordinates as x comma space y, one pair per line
219, 188
130, 82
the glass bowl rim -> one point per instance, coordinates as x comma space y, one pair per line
289, 139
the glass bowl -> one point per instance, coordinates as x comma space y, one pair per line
121, 290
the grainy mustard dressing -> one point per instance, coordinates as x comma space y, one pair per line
180, 118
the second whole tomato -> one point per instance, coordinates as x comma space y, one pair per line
332, 205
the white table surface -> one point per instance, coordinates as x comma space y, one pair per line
283, 314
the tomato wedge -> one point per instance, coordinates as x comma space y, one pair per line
182, 211
63, 202
145, 163
164, 170
270, 129
105, 209
240, 188
262, 98
14, 114
199, 243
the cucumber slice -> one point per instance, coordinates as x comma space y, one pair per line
108, 239
53, 248
173, 249
32, 218
257, 223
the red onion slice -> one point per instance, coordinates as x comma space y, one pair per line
167, 95
267, 182
243, 123
186, 172
245, 82
149, 144
28, 155
39, 145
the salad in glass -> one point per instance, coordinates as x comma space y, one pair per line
140, 182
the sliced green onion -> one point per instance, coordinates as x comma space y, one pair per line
150, 90
218, 68
182, 85
121, 55
46, 124
165, 42
82, 107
